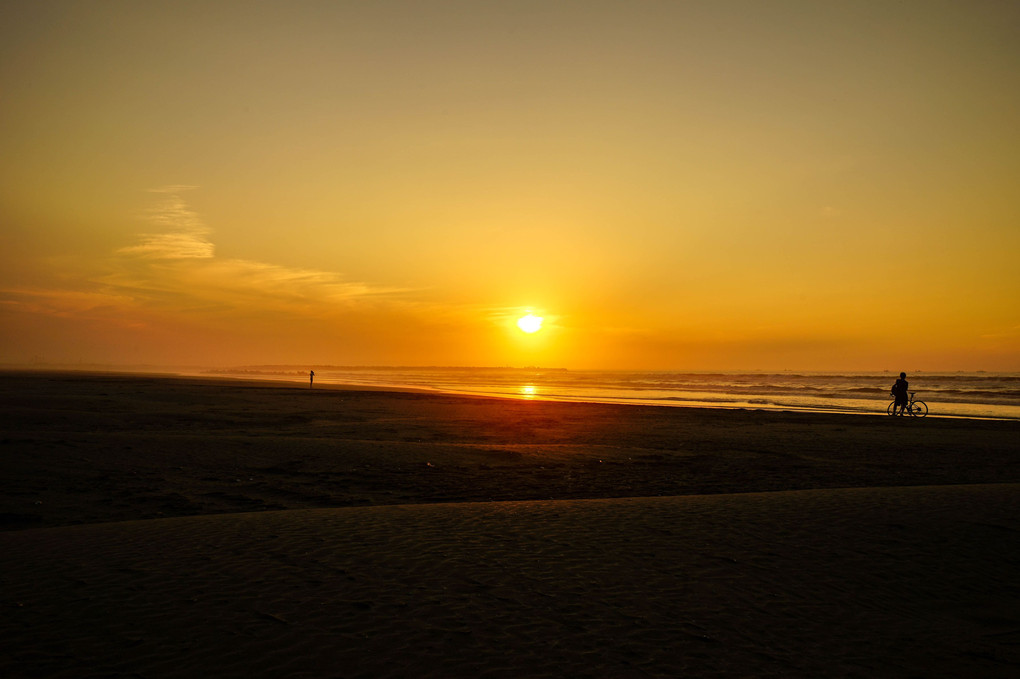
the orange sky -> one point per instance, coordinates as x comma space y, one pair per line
688, 185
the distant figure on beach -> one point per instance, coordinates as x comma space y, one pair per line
899, 392
311, 378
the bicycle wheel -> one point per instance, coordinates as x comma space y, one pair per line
892, 408
918, 409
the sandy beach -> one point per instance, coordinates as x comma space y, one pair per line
160, 527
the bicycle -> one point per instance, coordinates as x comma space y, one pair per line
913, 408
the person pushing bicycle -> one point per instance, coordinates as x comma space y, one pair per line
899, 392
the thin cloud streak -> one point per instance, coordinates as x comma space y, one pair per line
182, 233
173, 272
62, 303
177, 267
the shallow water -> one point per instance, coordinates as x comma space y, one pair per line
995, 395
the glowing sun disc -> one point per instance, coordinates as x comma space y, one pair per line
530, 323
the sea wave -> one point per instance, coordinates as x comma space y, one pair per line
963, 394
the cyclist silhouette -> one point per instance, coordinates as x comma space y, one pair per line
899, 392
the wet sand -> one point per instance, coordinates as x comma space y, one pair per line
172, 527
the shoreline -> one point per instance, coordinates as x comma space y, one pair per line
294, 383
87, 448
177, 527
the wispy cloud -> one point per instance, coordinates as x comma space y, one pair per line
1012, 332
175, 265
173, 272
181, 232
55, 302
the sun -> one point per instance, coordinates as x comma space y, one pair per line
530, 323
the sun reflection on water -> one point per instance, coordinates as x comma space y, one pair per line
529, 391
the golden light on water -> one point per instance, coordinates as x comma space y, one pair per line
530, 323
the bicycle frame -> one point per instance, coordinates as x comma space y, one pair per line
913, 407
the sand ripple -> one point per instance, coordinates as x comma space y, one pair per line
863, 582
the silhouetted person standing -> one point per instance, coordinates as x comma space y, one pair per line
311, 378
899, 392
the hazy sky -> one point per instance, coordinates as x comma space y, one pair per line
692, 185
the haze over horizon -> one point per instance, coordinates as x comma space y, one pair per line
692, 185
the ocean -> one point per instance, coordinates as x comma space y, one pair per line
947, 394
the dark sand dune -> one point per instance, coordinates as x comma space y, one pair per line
891, 582
389, 534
